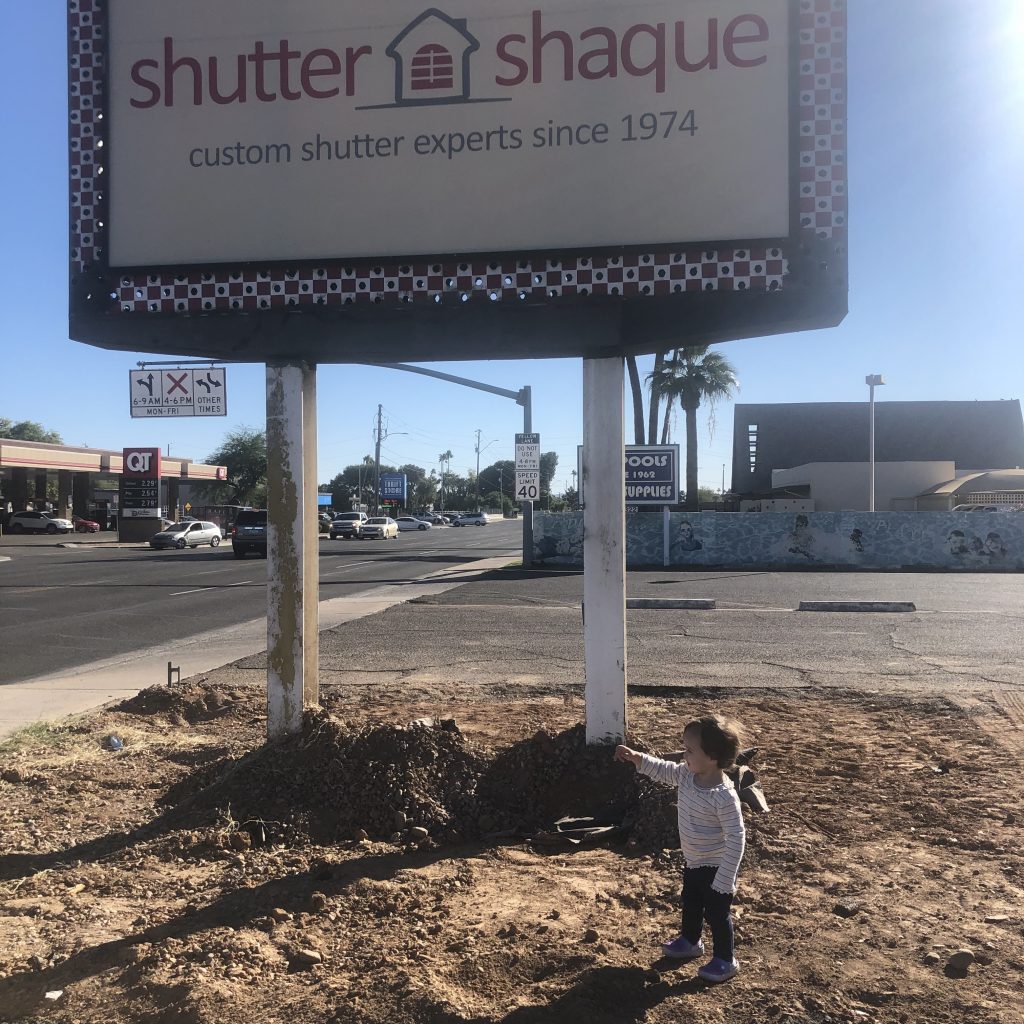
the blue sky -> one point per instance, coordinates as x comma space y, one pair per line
936, 157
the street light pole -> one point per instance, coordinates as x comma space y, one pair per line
376, 474
478, 470
872, 380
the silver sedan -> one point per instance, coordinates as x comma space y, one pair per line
186, 535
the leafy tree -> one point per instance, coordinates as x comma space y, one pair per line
691, 376
425, 491
413, 474
493, 499
244, 452
27, 430
500, 476
548, 466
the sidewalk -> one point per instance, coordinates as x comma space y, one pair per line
49, 697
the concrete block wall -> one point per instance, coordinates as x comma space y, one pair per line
968, 541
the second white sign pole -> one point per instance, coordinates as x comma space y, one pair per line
604, 550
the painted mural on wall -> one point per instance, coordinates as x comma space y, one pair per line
971, 541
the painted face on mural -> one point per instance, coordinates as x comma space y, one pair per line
687, 541
994, 545
957, 543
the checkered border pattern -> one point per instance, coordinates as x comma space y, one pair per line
822, 212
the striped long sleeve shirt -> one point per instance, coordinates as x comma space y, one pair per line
711, 830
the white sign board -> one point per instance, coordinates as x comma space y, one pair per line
528, 451
178, 392
527, 467
651, 474
253, 130
527, 485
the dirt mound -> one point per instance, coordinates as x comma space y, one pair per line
331, 782
189, 703
551, 775
419, 784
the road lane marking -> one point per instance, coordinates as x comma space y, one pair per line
344, 568
200, 590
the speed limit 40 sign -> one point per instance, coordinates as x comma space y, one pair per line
527, 485
527, 467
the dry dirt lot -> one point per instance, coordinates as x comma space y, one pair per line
372, 871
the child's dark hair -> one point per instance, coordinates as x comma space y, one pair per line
719, 738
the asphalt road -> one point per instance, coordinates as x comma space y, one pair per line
61, 607
524, 630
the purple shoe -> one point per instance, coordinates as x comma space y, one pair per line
682, 949
717, 970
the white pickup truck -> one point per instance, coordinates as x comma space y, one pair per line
348, 525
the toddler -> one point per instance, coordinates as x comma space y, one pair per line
711, 834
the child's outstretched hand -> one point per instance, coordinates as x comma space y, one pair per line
624, 753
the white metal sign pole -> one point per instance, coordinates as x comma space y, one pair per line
665, 519
311, 544
604, 550
292, 546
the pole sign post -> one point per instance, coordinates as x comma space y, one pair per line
140, 484
393, 488
527, 467
665, 169
178, 392
652, 475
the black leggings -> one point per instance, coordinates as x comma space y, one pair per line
702, 903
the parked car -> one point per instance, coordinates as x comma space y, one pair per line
435, 519
83, 525
38, 522
249, 533
472, 519
379, 528
347, 525
412, 523
986, 508
186, 535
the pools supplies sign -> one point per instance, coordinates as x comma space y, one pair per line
652, 474
251, 130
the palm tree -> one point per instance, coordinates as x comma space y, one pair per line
638, 399
445, 458
693, 375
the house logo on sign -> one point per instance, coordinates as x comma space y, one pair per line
432, 62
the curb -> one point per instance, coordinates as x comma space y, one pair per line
699, 603
857, 606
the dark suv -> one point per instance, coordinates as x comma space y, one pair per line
348, 525
250, 533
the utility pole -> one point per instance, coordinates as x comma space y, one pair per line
478, 469
376, 472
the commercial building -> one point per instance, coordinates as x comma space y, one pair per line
928, 455
83, 481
